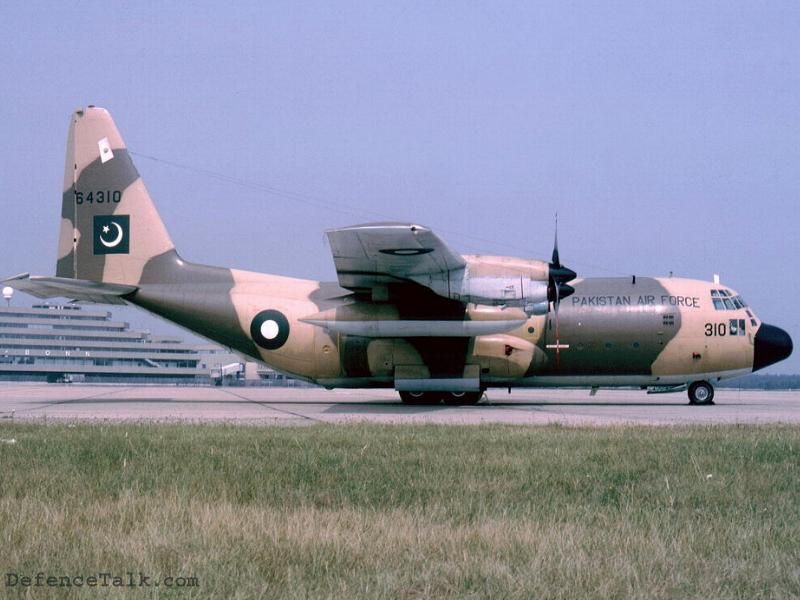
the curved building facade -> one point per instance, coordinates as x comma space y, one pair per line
67, 342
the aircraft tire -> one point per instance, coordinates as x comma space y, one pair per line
420, 398
462, 398
701, 393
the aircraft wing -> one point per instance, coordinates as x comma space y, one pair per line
368, 257
75, 289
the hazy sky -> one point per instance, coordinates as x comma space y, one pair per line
665, 134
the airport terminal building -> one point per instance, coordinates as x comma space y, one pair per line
73, 343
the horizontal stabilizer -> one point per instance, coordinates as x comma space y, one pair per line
75, 289
407, 328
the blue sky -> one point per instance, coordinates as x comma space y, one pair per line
666, 135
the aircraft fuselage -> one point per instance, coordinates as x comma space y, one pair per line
612, 331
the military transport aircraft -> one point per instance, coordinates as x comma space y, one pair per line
408, 312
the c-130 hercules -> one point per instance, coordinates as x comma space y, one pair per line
407, 312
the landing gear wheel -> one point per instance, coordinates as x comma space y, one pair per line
701, 393
461, 398
420, 398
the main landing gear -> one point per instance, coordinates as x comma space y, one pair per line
432, 398
701, 393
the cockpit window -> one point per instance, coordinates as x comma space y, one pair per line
736, 327
725, 300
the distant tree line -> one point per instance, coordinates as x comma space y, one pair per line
762, 382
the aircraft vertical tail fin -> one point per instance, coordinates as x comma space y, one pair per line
110, 227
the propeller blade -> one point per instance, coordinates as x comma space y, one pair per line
558, 298
556, 262
558, 335
558, 272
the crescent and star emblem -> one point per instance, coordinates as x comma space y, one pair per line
112, 234
114, 242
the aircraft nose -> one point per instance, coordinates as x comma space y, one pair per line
772, 344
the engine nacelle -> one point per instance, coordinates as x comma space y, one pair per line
496, 281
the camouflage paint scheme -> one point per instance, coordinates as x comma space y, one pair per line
413, 319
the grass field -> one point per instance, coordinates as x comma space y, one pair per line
365, 511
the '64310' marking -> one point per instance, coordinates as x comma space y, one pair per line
98, 197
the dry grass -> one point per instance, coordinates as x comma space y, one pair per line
406, 512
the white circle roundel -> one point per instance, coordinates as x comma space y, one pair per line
270, 329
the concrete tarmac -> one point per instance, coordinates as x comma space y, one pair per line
298, 406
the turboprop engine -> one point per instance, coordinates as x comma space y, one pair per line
498, 281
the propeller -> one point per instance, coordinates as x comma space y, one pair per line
558, 288
559, 276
